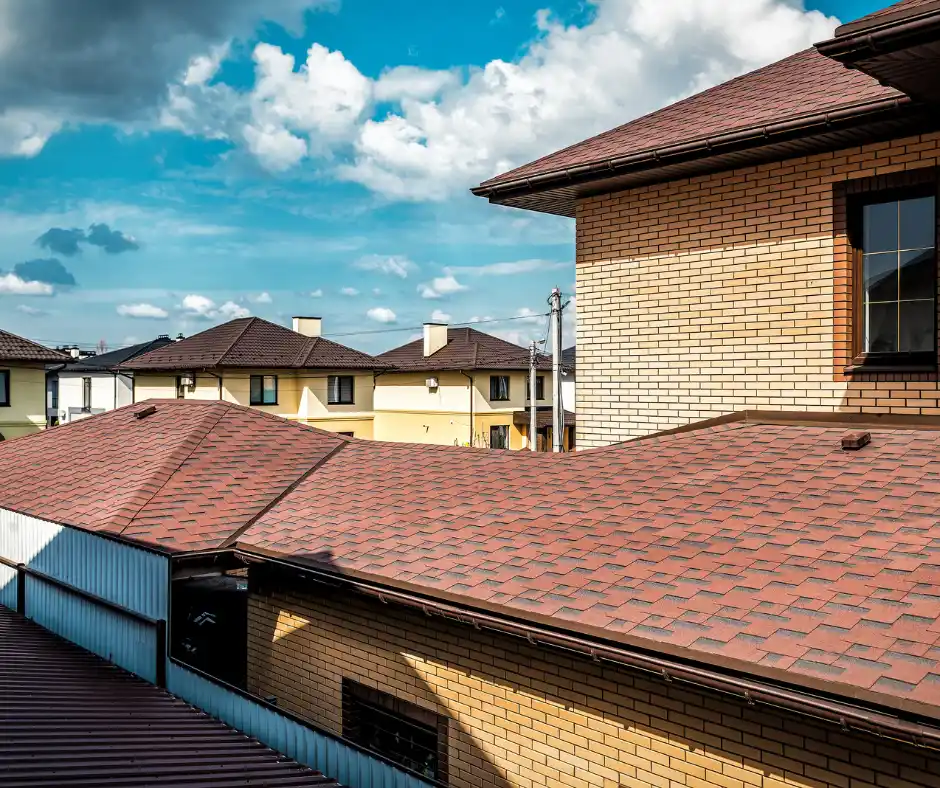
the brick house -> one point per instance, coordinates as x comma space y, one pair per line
769, 243
746, 603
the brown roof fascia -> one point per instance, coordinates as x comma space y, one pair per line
736, 682
702, 148
885, 38
887, 18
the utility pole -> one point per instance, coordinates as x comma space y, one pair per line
558, 411
533, 426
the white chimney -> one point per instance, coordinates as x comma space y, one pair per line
435, 337
308, 326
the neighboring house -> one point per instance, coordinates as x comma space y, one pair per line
461, 387
23, 384
768, 243
744, 603
568, 370
295, 374
95, 384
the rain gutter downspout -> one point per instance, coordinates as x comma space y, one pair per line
847, 716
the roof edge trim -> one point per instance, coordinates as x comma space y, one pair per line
890, 37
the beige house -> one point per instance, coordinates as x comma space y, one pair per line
23, 384
462, 387
296, 374
769, 243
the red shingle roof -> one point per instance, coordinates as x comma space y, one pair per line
466, 349
760, 547
15, 348
253, 342
802, 84
186, 477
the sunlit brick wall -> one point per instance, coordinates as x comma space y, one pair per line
706, 296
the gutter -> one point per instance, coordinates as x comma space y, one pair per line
848, 716
701, 148
870, 41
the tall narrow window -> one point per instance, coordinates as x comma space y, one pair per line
499, 437
86, 394
499, 388
539, 387
341, 390
263, 390
896, 241
398, 730
4, 388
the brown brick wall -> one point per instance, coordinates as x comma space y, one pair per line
706, 296
523, 716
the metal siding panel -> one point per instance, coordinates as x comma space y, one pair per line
324, 753
130, 577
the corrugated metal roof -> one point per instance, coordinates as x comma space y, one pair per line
71, 719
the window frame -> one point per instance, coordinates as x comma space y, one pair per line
339, 400
5, 387
924, 360
86, 393
508, 397
261, 402
539, 388
499, 427
355, 694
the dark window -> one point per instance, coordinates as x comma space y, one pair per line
86, 394
499, 388
180, 388
4, 388
499, 437
341, 390
263, 390
347, 434
400, 731
539, 387
895, 243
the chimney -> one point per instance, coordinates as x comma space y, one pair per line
308, 326
435, 337
74, 352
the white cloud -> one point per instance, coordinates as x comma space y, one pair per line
142, 311
31, 311
11, 284
381, 314
202, 68
440, 286
376, 291
526, 315
411, 82
439, 316
318, 293
349, 291
261, 298
394, 265
508, 269
24, 132
201, 307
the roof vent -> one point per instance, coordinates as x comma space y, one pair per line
853, 441
148, 411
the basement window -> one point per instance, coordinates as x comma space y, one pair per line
499, 388
396, 729
341, 390
263, 390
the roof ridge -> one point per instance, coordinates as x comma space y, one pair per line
309, 347
171, 461
248, 323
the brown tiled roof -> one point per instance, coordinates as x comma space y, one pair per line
14, 348
543, 418
904, 10
802, 84
758, 547
466, 349
252, 342
69, 718
183, 478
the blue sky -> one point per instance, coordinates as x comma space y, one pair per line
190, 172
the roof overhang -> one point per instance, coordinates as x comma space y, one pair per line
899, 48
558, 192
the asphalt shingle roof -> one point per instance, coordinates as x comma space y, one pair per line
107, 361
466, 349
253, 342
15, 348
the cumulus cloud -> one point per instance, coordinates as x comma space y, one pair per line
11, 284
318, 293
381, 314
394, 265
439, 316
31, 311
200, 307
261, 298
142, 311
440, 286
349, 291
49, 271
411, 82
69, 242
83, 73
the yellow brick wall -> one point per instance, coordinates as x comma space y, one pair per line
706, 296
521, 716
